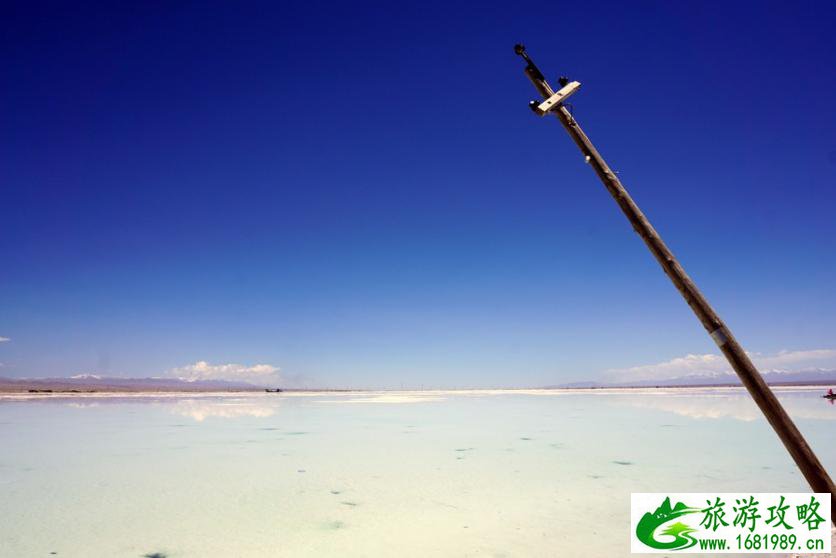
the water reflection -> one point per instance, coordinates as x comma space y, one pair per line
198, 407
84, 405
734, 404
201, 409
388, 398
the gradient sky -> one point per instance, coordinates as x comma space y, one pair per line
358, 194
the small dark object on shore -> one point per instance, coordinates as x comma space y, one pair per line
277, 390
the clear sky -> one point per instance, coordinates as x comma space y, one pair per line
358, 195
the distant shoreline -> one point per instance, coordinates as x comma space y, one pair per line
46, 392
92, 384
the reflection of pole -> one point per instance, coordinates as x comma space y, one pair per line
781, 422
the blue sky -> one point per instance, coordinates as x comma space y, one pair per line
358, 195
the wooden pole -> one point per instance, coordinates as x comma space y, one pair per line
781, 422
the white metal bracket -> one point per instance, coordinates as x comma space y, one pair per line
555, 100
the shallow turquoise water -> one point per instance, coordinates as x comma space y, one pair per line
375, 474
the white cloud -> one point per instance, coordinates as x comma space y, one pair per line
792, 360
4, 339
202, 370
713, 365
688, 365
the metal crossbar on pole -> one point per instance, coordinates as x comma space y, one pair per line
781, 422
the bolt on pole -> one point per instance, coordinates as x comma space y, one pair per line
772, 409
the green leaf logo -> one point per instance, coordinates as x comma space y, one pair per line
681, 533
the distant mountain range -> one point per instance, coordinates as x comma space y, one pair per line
815, 376
93, 383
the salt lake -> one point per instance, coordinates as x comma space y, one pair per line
415, 474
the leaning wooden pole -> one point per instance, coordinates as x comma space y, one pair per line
781, 422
